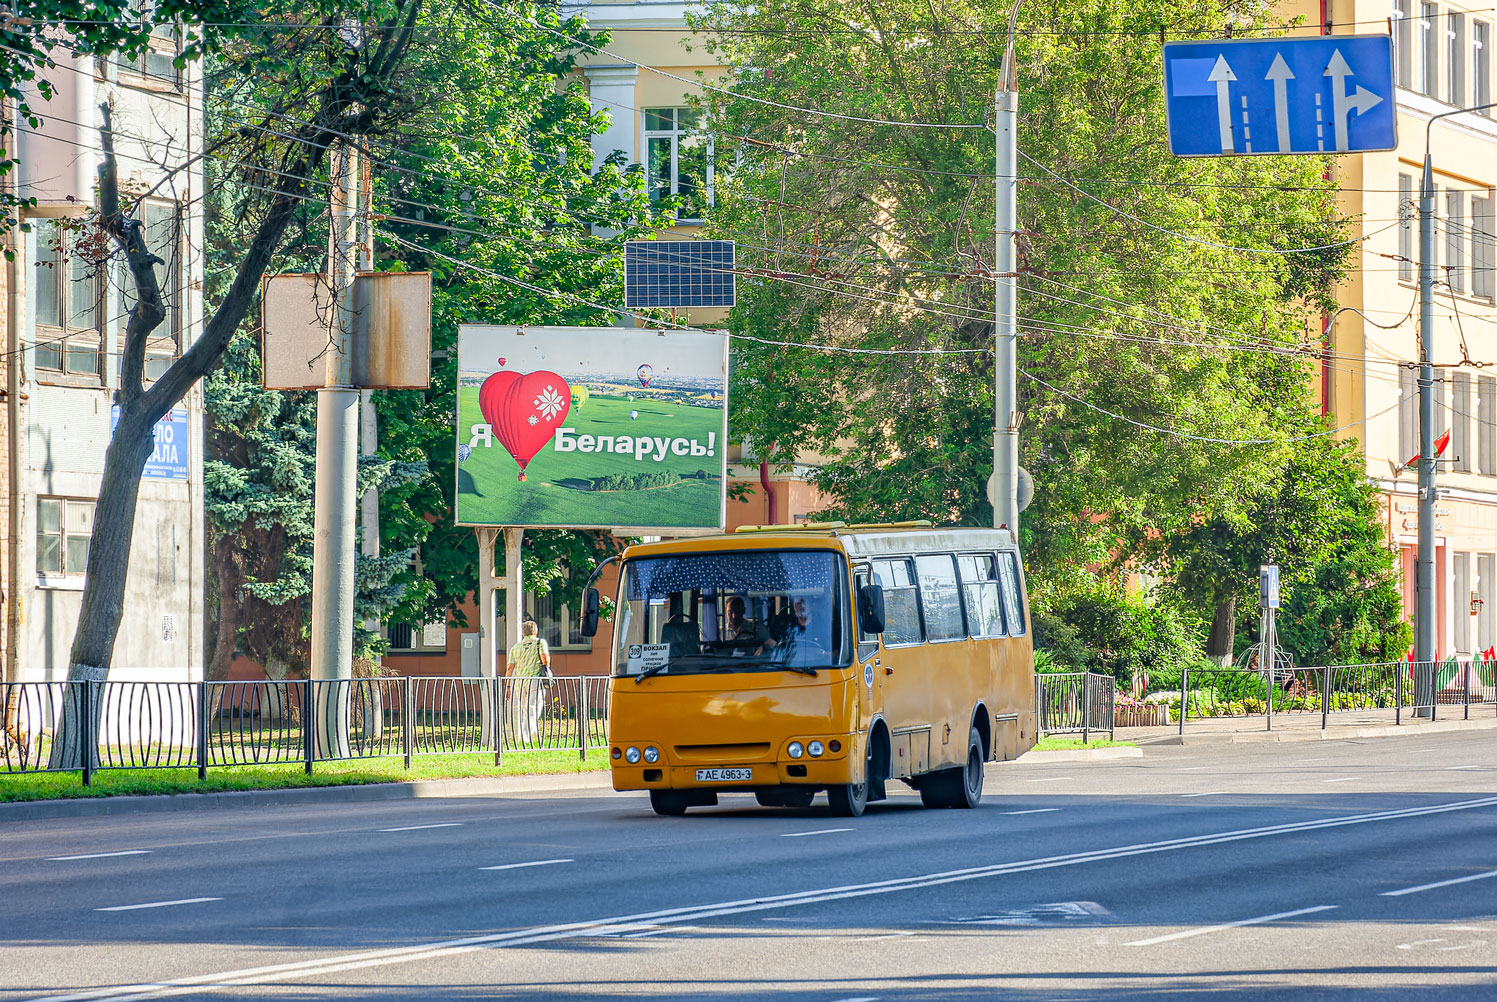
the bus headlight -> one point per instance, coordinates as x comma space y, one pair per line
815, 749
795, 750
652, 754
631, 755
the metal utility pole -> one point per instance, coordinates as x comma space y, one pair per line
1424, 568
1424, 571
337, 462
1005, 293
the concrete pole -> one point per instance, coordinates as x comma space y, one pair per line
1424, 575
487, 634
1005, 296
514, 585
337, 462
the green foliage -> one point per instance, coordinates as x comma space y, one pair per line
1117, 635
870, 223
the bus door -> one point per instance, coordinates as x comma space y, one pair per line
870, 664
905, 697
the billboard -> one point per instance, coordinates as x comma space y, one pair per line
591, 428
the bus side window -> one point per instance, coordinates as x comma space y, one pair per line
901, 602
940, 597
1013, 599
867, 642
979, 573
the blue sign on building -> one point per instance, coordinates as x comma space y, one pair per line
1321, 94
171, 455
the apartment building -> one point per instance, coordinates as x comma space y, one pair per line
68, 298
1443, 54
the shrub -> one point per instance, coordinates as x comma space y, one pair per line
1118, 635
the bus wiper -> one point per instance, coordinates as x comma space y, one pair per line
652, 670
803, 669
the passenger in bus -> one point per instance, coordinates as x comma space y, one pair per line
743, 637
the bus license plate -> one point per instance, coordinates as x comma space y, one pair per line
724, 775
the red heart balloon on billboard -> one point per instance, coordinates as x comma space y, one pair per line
533, 407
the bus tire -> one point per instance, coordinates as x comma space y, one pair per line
670, 803
785, 796
847, 800
960, 787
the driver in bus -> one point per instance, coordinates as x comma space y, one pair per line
748, 636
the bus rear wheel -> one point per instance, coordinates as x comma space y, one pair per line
959, 787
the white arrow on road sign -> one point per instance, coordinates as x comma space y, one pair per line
1221, 73
1278, 73
1342, 103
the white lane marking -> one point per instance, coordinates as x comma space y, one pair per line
1196, 768
100, 855
1052, 779
1036, 810
443, 949
1307, 761
521, 866
861, 998
659, 932
417, 828
1213, 793
1452, 768
819, 831
1439, 883
1342, 779
1417, 942
1259, 920
155, 904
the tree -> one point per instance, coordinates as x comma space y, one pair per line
1139, 312
493, 186
333, 85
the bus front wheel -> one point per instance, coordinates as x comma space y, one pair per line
669, 803
847, 800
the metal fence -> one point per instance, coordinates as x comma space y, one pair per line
88, 726
1073, 702
1427, 690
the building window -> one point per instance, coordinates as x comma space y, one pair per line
1460, 416
419, 639
1407, 207
678, 163
1455, 59
1483, 258
157, 63
1427, 55
67, 297
1481, 65
1486, 426
559, 627
1403, 63
1408, 413
163, 238
64, 527
1455, 239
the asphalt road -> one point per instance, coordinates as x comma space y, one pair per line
1327, 870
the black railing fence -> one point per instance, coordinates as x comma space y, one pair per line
88, 726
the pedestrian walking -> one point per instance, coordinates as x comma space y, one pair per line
530, 667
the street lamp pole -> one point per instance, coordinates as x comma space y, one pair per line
1005, 294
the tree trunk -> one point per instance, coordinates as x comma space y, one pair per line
225, 640
1223, 633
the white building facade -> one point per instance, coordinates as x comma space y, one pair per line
65, 314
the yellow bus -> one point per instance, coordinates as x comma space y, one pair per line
787, 660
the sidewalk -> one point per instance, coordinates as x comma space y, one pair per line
1306, 727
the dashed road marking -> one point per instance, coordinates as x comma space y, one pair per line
417, 828
155, 904
1204, 930
1342, 779
1211, 793
819, 831
521, 866
1439, 883
100, 855
1034, 810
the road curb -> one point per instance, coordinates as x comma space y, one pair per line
1078, 755
1333, 733
353, 793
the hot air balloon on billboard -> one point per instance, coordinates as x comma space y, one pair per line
579, 396
645, 373
634, 415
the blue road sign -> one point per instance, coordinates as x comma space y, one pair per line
1321, 94
170, 455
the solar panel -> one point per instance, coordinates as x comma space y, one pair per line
680, 273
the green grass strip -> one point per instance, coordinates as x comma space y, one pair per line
144, 782
1076, 744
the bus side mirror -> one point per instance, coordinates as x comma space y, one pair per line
871, 608
590, 612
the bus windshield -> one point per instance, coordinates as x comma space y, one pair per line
757, 610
